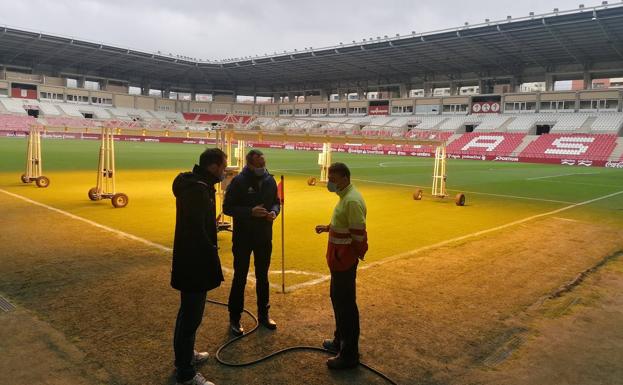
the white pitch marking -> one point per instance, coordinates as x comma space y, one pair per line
133, 237
401, 164
298, 272
325, 277
470, 192
561, 175
567, 219
580, 183
461, 238
466, 192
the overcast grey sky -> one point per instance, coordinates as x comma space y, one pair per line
220, 29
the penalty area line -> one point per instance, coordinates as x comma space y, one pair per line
469, 192
136, 238
461, 238
455, 190
493, 229
561, 175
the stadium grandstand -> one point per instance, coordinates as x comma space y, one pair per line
464, 85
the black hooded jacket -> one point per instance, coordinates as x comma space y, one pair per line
244, 192
196, 264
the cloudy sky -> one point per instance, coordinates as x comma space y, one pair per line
220, 29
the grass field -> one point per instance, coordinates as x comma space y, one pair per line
453, 291
497, 194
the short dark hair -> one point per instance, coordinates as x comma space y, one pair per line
253, 153
340, 169
212, 156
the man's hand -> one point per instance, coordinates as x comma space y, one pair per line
322, 229
270, 217
259, 211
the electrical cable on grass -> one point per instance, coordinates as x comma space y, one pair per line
278, 352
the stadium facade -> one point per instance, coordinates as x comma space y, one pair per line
43, 79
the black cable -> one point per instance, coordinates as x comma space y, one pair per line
278, 352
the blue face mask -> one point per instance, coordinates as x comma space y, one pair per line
259, 171
332, 187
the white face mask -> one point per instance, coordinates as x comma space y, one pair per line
332, 187
259, 171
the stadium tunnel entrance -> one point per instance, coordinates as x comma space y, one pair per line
542, 129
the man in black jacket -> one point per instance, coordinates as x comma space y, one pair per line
251, 199
196, 264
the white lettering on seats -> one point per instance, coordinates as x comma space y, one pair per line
566, 145
490, 142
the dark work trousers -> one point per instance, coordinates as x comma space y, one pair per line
343, 297
188, 320
261, 249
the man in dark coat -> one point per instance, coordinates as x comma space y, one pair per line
196, 264
251, 199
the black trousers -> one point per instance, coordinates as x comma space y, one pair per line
242, 249
188, 320
344, 300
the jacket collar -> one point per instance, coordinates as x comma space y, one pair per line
342, 193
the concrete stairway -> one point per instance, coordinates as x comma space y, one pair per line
618, 150
586, 126
526, 141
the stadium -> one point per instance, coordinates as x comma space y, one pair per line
490, 156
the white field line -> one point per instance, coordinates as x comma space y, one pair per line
321, 278
401, 165
561, 175
406, 164
461, 238
470, 192
567, 219
144, 241
466, 192
580, 183
298, 272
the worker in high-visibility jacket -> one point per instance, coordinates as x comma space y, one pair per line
348, 243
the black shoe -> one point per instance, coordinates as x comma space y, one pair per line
236, 329
330, 346
338, 363
268, 323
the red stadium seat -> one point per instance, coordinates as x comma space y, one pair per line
16, 122
571, 146
69, 122
495, 144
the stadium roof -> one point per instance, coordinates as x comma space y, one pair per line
529, 47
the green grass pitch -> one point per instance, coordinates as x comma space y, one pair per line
497, 194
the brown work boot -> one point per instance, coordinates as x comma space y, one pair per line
268, 323
338, 363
